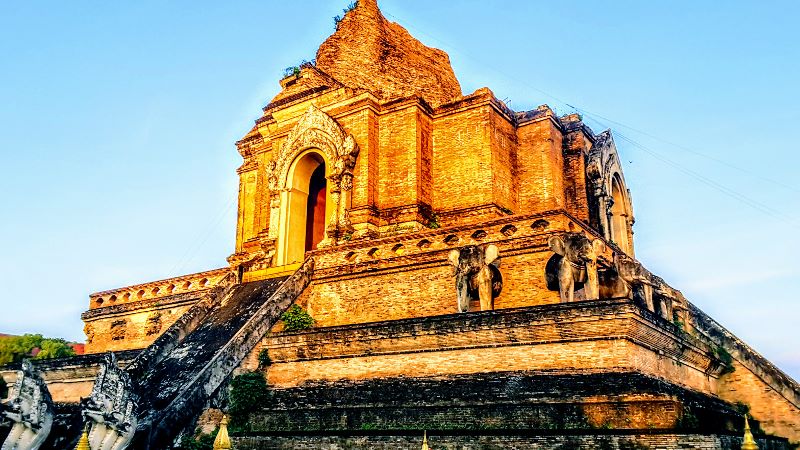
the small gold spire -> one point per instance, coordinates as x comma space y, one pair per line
83, 442
223, 442
425, 441
749, 443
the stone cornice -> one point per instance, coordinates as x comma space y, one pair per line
170, 301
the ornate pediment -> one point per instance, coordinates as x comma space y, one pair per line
319, 131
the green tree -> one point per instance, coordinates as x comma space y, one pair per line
200, 441
14, 349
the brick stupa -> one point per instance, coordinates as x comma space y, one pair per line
409, 258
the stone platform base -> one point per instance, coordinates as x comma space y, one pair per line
505, 410
653, 440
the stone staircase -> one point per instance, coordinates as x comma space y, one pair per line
178, 375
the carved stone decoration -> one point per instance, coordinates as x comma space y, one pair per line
610, 205
636, 281
576, 263
319, 131
88, 330
153, 324
29, 409
629, 278
255, 260
477, 275
664, 298
111, 407
119, 329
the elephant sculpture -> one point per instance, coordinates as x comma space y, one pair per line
110, 410
30, 411
639, 279
629, 278
477, 275
576, 265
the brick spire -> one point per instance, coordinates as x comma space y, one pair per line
370, 5
369, 52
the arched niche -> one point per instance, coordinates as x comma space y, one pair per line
619, 216
610, 200
316, 140
302, 221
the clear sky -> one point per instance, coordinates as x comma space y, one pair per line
118, 122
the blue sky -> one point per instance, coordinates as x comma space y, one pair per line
118, 122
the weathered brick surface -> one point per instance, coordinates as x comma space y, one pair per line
593, 336
369, 52
540, 162
496, 401
351, 286
133, 317
437, 171
771, 396
655, 441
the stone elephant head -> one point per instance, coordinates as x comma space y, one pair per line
477, 275
576, 264
638, 279
629, 278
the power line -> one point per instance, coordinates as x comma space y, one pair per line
201, 240
687, 149
599, 116
755, 204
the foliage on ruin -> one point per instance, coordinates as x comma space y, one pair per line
725, 359
433, 222
338, 19
13, 349
688, 420
200, 441
247, 393
293, 71
297, 319
264, 359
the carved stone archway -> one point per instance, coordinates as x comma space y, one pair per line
320, 132
611, 206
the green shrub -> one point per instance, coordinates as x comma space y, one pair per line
248, 392
201, 441
725, 359
433, 222
338, 19
263, 359
297, 319
293, 71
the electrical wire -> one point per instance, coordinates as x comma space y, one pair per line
201, 240
587, 113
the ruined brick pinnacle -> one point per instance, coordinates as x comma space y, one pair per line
369, 52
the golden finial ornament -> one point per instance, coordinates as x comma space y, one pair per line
222, 441
83, 442
749, 443
425, 441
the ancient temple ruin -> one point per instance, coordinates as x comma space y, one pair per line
468, 269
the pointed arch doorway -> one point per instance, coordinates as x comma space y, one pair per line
307, 207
